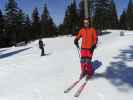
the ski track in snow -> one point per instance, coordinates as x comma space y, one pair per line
24, 75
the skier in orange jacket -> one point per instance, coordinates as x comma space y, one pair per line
89, 41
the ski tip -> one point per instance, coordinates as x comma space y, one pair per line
66, 91
77, 94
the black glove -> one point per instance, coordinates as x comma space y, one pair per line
93, 47
76, 43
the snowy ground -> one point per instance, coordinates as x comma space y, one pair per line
24, 75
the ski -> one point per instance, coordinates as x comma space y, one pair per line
81, 88
72, 86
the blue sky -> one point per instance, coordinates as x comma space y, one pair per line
56, 7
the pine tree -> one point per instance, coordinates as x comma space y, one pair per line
48, 27
74, 18
102, 13
113, 18
81, 12
129, 15
27, 29
2, 41
44, 22
122, 22
11, 22
1, 22
61, 29
36, 30
66, 23
71, 20
20, 34
52, 29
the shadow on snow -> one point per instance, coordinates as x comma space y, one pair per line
3, 50
2, 56
119, 73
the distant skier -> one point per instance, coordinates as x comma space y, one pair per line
41, 46
89, 41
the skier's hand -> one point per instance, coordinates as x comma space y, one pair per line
76, 43
93, 47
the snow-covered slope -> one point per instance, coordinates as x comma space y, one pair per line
24, 75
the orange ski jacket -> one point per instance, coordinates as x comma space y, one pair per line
89, 37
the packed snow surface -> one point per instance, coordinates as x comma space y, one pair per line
24, 75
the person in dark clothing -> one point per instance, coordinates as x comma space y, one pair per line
41, 46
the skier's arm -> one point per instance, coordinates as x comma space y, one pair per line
77, 38
95, 37
78, 35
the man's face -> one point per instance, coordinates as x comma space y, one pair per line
86, 24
